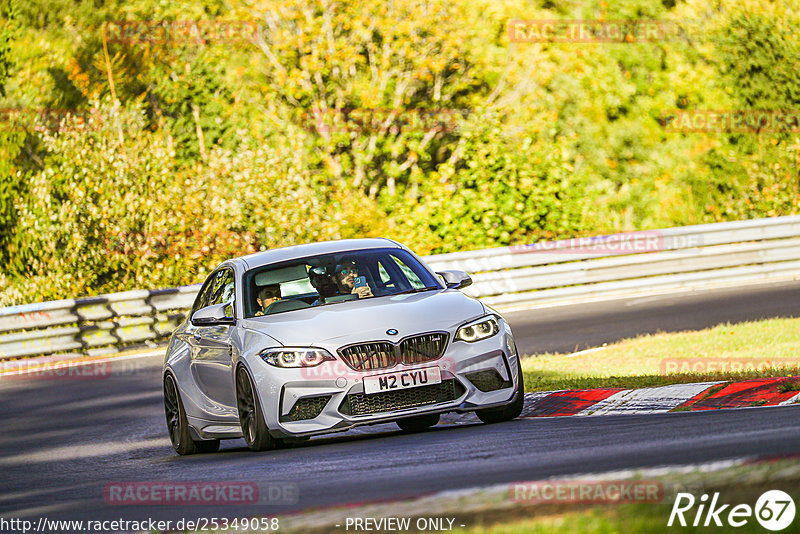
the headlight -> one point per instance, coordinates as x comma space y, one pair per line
295, 357
482, 329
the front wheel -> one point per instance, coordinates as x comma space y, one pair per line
178, 425
254, 428
510, 411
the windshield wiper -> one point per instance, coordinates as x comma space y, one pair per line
417, 290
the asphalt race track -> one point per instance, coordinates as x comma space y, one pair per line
64, 440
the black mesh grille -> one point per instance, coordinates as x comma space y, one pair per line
423, 348
306, 408
487, 380
384, 354
363, 404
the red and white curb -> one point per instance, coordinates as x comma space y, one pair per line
647, 400
662, 399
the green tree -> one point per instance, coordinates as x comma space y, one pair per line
12, 184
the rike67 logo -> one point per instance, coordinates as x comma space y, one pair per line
774, 510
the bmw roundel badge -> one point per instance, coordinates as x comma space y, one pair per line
392, 332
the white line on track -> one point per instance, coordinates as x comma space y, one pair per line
586, 351
35, 365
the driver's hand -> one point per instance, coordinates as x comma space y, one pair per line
362, 292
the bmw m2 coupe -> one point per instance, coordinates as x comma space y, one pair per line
300, 341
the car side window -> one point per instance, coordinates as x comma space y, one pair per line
382, 273
412, 277
205, 293
224, 291
386, 279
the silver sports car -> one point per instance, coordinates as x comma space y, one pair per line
300, 341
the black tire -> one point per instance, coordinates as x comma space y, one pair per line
509, 411
418, 423
178, 426
254, 428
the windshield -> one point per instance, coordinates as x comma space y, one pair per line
333, 278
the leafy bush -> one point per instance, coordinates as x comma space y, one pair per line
418, 121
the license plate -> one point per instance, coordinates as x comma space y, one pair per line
402, 380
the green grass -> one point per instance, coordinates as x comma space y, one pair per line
712, 391
492, 510
790, 385
741, 484
767, 348
625, 518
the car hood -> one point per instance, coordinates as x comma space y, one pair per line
335, 325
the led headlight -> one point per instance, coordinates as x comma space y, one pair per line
482, 329
295, 357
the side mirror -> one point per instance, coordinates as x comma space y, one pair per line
215, 314
455, 279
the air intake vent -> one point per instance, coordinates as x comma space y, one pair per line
306, 408
487, 380
424, 348
368, 356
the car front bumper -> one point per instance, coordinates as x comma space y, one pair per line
330, 397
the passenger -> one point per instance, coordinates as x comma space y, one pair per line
266, 296
345, 277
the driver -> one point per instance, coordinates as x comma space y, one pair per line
345, 277
266, 296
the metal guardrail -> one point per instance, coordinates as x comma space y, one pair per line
649, 261
507, 278
93, 325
